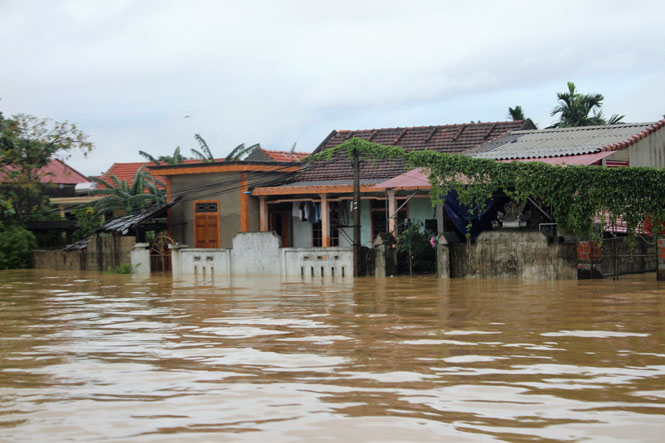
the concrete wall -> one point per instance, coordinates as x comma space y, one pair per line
206, 263
317, 262
211, 186
101, 254
218, 186
505, 254
256, 254
259, 253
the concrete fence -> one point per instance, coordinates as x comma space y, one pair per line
259, 253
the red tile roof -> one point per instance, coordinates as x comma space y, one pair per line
285, 156
126, 172
59, 172
445, 138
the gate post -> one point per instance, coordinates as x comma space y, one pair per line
589, 260
176, 259
661, 260
140, 259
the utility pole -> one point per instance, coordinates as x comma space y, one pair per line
356, 213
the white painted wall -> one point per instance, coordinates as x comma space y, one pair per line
256, 253
259, 253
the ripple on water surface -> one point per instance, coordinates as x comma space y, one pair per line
90, 356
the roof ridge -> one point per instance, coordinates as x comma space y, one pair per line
635, 138
430, 126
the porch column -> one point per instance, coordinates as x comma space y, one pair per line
263, 214
244, 203
325, 221
392, 221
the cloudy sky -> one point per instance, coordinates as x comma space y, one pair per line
147, 75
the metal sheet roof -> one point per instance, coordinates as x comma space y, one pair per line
544, 143
126, 222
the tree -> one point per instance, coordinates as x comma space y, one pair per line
27, 144
121, 196
175, 159
516, 113
574, 109
238, 153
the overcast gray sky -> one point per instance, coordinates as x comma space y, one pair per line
279, 72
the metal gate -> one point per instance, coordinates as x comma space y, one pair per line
160, 254
621, 257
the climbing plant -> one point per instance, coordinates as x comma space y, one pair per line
580, 197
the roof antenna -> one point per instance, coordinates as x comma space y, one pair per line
293, 148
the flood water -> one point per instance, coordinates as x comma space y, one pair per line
86, 356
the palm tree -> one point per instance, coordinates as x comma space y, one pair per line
121, 196
236, 154
575, 108
516, 113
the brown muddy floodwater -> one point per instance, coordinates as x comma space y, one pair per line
87, 356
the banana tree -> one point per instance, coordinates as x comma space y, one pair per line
205, 154
126, 197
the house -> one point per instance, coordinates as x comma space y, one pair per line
313, 209
61, 182
624, 145
215, 202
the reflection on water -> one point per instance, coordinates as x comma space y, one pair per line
90, 356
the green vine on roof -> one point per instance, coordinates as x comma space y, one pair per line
579, 196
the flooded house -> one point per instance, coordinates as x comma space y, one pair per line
526, 242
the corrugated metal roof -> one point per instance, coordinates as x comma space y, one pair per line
543, 143
583, 159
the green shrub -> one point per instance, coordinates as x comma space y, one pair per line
15, 245
122, 268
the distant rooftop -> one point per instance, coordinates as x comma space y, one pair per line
560, 142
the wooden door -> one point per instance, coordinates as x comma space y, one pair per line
206, 224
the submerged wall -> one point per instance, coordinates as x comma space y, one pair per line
505, 254
259, 253
102, 253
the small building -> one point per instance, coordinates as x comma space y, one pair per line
215, 198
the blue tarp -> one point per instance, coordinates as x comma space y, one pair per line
460, 215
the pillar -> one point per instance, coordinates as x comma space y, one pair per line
392, 220
176, 259
263, 214
244, 203
140, 258
325, 221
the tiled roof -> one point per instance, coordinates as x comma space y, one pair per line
543, 143
445, 138
59, 173
126, 172
285, 156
